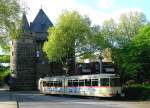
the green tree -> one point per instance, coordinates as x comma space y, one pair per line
120, 33
9, 18
136, 59
127, 29
68, 38
4, 58
129, 25
116, 36
94, 45
9, 15
109, 31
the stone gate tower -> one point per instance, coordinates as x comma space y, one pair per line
23, 59
28, 62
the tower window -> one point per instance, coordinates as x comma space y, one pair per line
37, 53
43, 62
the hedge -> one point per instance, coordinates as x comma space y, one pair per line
137, 92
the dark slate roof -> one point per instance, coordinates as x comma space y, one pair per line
25, 24
41, 22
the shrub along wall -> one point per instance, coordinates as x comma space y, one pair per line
137, 92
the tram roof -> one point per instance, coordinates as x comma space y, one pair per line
81, 76
92, 76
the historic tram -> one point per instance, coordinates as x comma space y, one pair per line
98, 85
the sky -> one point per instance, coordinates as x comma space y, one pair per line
97, 10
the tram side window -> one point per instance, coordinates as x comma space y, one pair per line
94, 82
57, 83
88, 82
81, 82
60, 83
50, 83
69, 83
75, 82
104, 81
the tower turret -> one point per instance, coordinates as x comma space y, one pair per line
40, 27
23, 59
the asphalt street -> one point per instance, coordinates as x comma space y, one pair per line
33, 99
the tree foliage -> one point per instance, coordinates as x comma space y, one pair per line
4, 71
120, 33
68, 36
9, 18
68, 39
9, 15
136, 59
4, 58
121, 42
129, 25
118, 38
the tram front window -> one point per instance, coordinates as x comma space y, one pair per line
104, 81
44, 83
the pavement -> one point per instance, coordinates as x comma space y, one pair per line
143, 104
6, 98
8, 104
30, 99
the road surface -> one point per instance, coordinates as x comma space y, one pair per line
32, 99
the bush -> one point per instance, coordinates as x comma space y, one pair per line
4, 73
137, 92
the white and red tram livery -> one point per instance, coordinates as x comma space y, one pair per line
98, 85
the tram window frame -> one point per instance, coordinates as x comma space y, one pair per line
87, 82
95, 82
81, 83
104, 83
41, 84
75, 83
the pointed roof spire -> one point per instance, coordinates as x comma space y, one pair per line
41, 22
41, 6
25, 24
